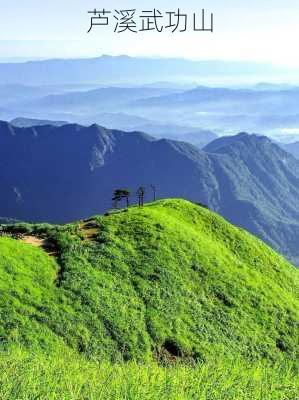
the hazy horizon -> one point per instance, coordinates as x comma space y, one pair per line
247, 72
260, 31
23, 59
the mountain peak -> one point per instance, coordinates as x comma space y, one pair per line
218, 145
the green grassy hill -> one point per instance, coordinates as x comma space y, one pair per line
168, 281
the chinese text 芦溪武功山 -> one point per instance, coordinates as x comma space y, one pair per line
134, 21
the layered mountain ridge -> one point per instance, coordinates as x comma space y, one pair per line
60, 174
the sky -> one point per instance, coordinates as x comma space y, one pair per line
259, 30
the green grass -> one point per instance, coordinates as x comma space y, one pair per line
169, 279
27, 376
131, 293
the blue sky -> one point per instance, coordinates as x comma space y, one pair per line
265, 30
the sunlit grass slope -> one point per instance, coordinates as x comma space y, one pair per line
66, 376
168, 281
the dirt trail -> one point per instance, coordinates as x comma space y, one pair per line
45, 244
90, 230
35, 241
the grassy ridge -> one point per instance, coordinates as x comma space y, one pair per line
170, 280
67, 376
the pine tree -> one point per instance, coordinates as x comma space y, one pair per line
119, 195
140, 194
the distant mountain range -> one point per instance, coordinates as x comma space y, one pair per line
163, 109
15, 92
107, 69
226, 110
65, 173
109, 98
220, 110
121, 92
